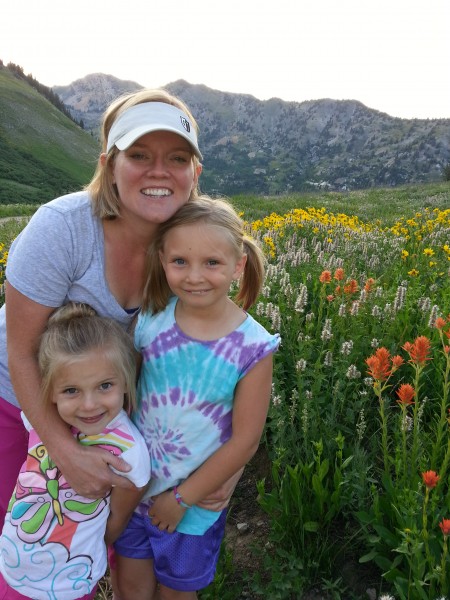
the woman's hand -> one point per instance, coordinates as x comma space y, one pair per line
89, 470
220, 499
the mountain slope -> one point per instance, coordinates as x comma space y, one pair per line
275, 146
42, 152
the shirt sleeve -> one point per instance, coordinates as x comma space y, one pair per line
41, 262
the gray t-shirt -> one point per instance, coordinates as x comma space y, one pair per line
59, 257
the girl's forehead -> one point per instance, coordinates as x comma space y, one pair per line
198, 231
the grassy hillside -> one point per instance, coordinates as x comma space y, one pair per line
42, 153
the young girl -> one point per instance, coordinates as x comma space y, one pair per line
203, 396
53, 542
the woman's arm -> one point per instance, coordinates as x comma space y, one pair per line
251, 404
86, 469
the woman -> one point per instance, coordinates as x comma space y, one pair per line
90, 247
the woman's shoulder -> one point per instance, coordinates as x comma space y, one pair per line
70, 203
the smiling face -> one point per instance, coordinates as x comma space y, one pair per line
89, 391
155, 176
200, 264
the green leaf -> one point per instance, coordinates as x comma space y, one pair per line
368, 557
311, 526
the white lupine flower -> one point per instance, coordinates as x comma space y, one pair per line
308, 394
326, 331
301, 365
355, 308
361, 425
399, 298
376, 311
302, 298
421, 408
309, 317
346, 348
353, 373
424, 304
260, 309
433, 315
407, 422
328, 360
342, 310
375, 343
276, 400
276, 319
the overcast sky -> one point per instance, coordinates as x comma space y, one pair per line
392, 55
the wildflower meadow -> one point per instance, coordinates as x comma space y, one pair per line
358, 433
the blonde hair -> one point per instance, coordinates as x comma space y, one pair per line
105, 199
217, 213
75, 329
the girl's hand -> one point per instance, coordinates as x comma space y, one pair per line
165, 511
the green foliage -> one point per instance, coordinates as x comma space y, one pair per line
303, 503
282, 576
346, 472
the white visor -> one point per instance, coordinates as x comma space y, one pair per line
147, 117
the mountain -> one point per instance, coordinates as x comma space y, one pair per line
87, 98
43, 153
274, 146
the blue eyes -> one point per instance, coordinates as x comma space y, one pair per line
178, 158
70, 391
102, 387
181, 262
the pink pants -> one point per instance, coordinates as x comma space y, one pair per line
7, 593
13, 451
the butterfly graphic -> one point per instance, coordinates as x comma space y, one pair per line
43, 499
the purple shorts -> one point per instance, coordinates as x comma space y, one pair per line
181, 562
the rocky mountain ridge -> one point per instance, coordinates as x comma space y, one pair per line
275, 146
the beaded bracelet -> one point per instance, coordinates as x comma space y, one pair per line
179, 498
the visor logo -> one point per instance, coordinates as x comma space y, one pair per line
185, 124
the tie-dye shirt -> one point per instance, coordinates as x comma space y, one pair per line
52, 546
186, 390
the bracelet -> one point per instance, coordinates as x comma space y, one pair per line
179, 498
